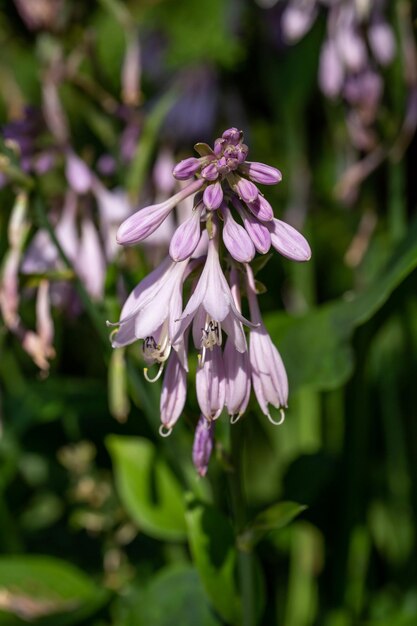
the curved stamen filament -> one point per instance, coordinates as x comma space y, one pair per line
281, 419
157, 375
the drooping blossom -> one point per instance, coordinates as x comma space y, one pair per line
203, 445
221, 186
359, 42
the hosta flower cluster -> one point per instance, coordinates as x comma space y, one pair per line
229, 213
359, 42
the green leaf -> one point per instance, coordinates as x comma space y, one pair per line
214, 553
45, 591
147, 487
274, 517
203, 149
322, 338
174, 596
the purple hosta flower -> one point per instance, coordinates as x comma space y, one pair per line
78, 174
257, 230
211, 383
212, 301
203, 445
113, 206
358, 40
173, 395
40, 14
187, 236
237, 368
269, 377
288, 241
236, 239
151, 313
144, 222
298, 18
223, 188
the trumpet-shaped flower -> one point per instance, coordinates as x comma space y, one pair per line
269, 377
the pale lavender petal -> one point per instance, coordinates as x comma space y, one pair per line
145, 221
211, 384
210, 172
246, 190
90, 263
78, 174
213, 196
289, 242
269, 377
331, 70
174, 391
297, 20
232, 135
234, 329
146, 290
187, 168
203, 445
238, 379
261, 209
382, 42
236, 239
261, 173
162, 172
199, 323
156, 311
256, 230
186, 237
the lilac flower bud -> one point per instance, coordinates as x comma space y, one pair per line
331, 71
187, 168
174, 391
233, 136
297, 20
90, 263
145, 221
213, 196
269, 377
78, 174
219, 146
257, 231
236, 365
203, 445
211, 384
162, 172
288, 241
236, 239
261, 173
261, 209
186, 237
210, 172
382, 42
246, 190
238, 379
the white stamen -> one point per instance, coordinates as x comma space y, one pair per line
280, 421
235, 418
164, 431
156, 377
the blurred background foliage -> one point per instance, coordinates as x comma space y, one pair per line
104, 523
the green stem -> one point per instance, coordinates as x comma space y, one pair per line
245, 557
